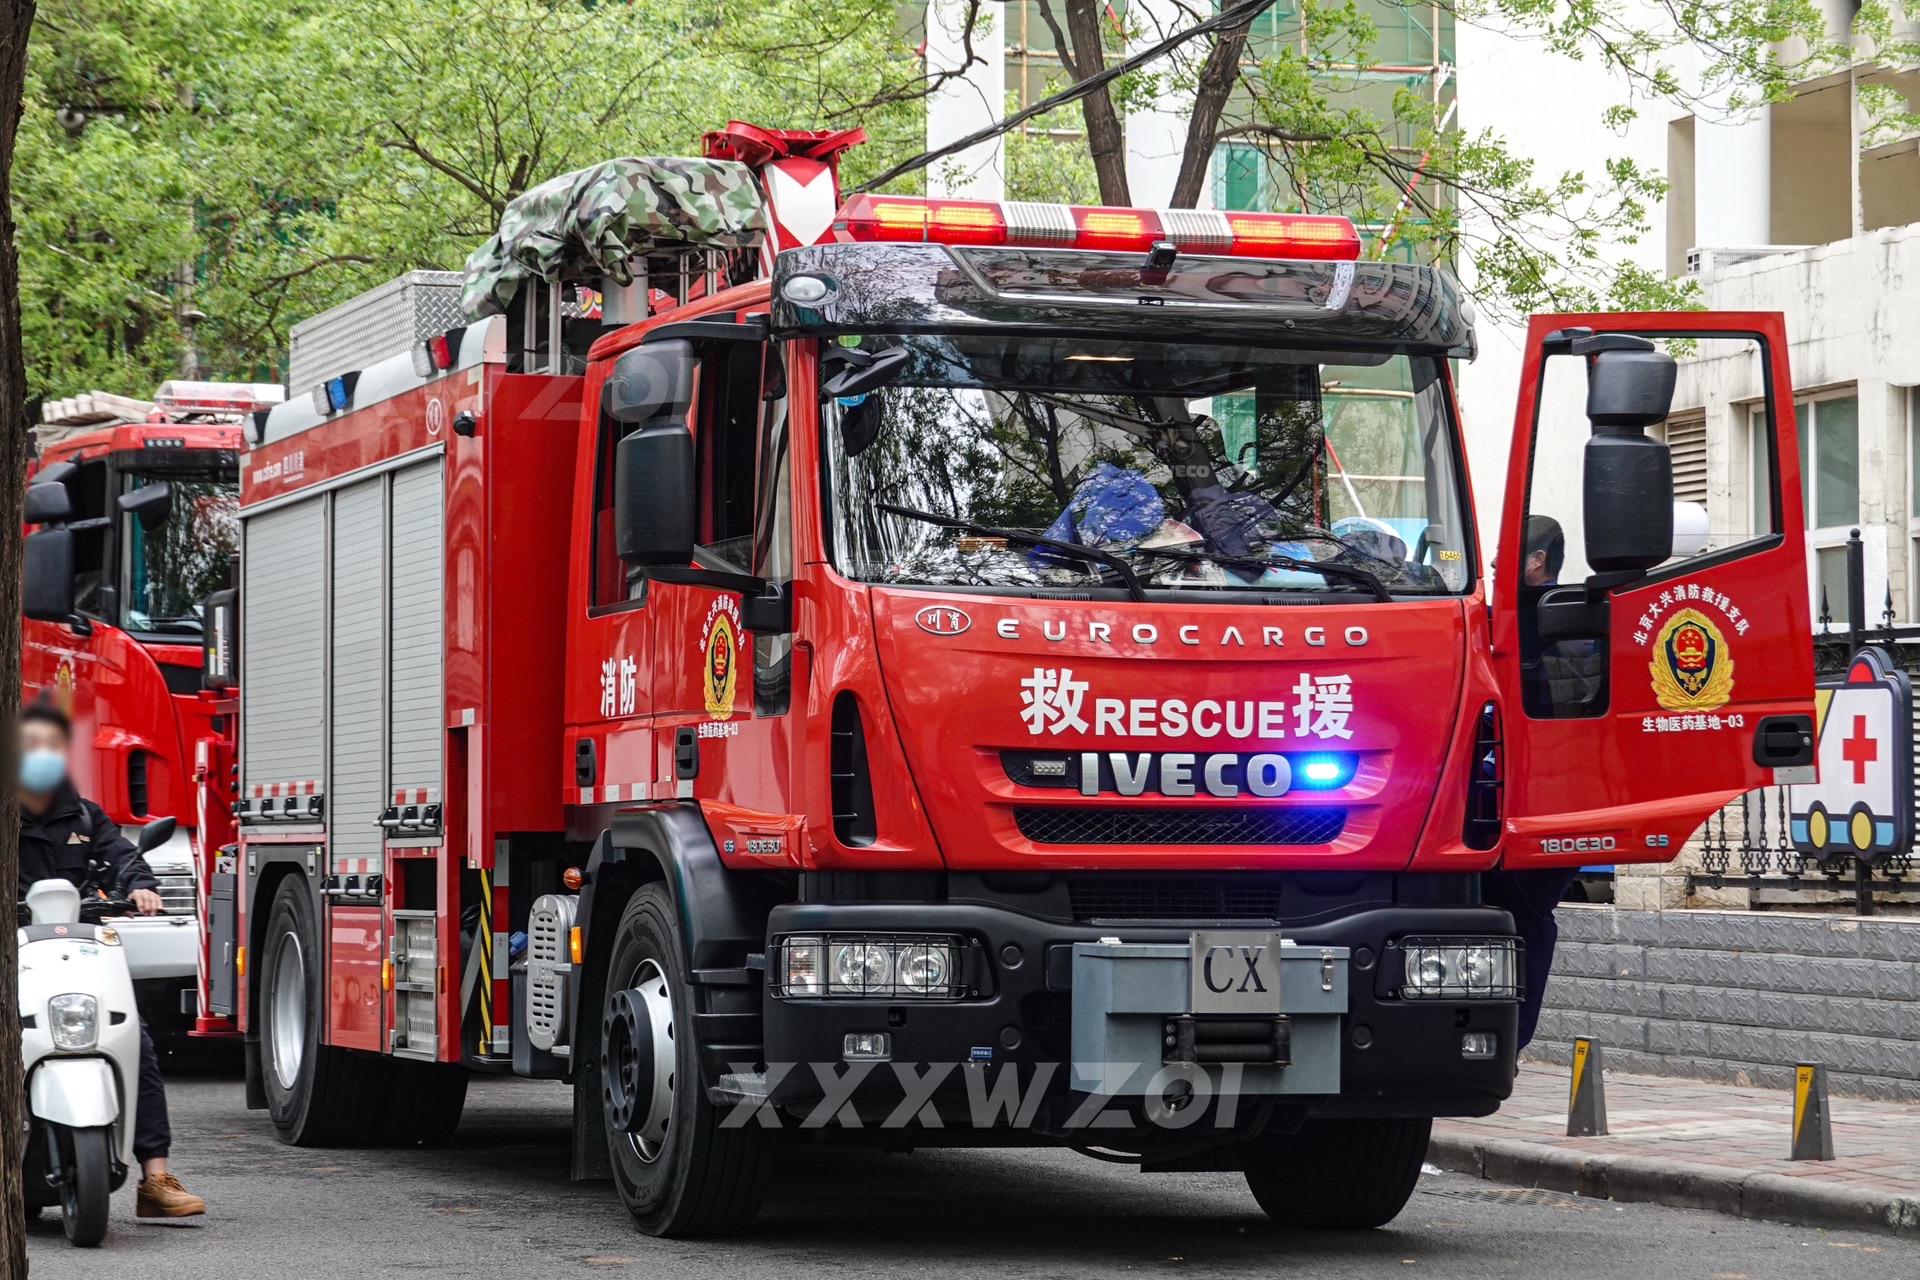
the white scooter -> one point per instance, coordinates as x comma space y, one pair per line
80, 1033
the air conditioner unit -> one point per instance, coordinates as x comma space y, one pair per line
1704, 259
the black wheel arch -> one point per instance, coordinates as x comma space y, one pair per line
722, 916
262, 887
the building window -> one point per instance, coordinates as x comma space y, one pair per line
1829, 489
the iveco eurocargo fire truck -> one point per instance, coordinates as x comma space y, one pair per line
920, 671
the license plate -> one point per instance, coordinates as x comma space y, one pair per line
1234, 972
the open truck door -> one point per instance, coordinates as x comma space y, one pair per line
1654, 647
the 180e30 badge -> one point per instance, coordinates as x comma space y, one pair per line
1691, 667
720, 656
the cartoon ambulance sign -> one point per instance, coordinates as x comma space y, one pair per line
1863, 803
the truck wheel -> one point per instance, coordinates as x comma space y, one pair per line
678, 1172
423, 1102
1338, 1174
316, 1093
86, 1184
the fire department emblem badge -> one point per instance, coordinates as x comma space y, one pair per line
1691, 667
63, 682
720, 653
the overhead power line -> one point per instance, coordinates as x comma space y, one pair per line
1239, 15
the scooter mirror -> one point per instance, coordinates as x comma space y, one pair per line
155, 834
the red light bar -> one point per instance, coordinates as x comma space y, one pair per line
912, 220
1108, 228
918, 220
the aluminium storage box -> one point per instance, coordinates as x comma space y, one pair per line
381, 322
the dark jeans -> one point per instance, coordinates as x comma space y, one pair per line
1530, 897
152, 1135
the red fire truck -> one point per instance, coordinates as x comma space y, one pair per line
915, 671
142, 499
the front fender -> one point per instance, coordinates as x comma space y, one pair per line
81, 1093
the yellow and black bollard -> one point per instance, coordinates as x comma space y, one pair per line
1587, 1101
1812, 1118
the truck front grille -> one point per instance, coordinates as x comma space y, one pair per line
1132, 895
1128, 825
176, 891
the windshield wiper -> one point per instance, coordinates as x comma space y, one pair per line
1326, 569
1091, 554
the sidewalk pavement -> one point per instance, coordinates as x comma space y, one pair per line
1698, 1145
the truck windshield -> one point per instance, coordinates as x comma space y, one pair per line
169, 570
1203, 467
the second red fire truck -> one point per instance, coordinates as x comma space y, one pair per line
915, 671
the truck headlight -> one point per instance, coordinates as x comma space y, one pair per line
893, 966
1460, 969
73, 1020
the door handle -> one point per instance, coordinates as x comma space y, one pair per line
1783, 742
586, 765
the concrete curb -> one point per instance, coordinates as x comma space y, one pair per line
1802, 1201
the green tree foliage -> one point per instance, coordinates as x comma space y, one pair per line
1297, 88
256, 163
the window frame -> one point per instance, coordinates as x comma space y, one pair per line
1822, 538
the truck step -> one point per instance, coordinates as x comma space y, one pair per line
739, 1086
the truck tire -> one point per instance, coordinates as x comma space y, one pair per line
423, 1102
678, 1172
317, 1094
1338, 1174
86, 1184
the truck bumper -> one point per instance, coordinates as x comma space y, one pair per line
1360, 1050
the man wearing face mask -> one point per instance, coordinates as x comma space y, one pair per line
61, 833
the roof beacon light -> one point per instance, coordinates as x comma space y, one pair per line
918, 220
181, 397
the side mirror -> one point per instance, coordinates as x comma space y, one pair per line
650, 389
48, 502
150, 504
858, 379
47, 588
1627, 489
155, 834
653, 479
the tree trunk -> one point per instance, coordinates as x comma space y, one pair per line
1217, 76
1105, 140
16, 19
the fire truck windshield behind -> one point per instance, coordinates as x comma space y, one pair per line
1204, 467
168, 571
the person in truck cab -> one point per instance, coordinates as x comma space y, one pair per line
61, 835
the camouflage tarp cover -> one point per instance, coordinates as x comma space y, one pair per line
591, 222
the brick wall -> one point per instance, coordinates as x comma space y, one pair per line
1740, 996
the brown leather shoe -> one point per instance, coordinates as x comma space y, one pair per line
162, 1196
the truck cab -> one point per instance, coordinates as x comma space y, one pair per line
912, 671
114, 629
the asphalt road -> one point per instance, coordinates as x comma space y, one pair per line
497, 1203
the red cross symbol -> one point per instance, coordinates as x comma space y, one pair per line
1859, 751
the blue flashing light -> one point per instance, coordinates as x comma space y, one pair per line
1323, 771
339, 394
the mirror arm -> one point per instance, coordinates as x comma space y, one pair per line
80, 624
765, 608
753, 329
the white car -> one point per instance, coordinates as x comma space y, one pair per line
165, 949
